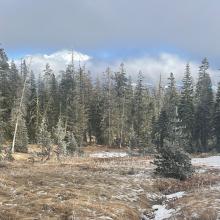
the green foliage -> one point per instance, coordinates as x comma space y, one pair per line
172, 161
204, 108
72, 145
44, 138
17, 116
60, 133
111, 111
160, 129
217, 119
51, 99
95, 114
32, 115
186, 108
21, 141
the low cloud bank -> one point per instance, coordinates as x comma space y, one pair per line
151, 66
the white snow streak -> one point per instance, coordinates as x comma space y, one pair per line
175, 195
213, 161
161, 212
108, 154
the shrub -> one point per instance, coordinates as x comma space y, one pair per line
173, 162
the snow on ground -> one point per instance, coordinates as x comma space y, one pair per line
175, 195
213, 161
108, 154
161, 212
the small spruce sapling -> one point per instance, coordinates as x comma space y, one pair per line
60, 134
44, 139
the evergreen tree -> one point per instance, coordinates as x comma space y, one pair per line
129, 134
160, 129
173, 162
143, 113
186, 108
24, 70
44, 139
217, 119
60, 134
109, 123
15, 82
51, 97
77, 108
32, 109
66, 87
158, 98
171, 97
204, 108
72, 145
1, 125
21, 138
139, 106
168, 115
53, 105
120, 87
5, 89
95, 114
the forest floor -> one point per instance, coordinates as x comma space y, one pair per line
105, 184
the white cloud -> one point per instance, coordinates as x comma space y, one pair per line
151, 66
58, 60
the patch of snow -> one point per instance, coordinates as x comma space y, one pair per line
175, 195
201, 170
161, 212
41, 193
108, 154
105, 218
213, 161
154, 196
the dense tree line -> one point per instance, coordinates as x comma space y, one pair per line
72, 110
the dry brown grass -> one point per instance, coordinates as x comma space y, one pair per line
95, 188
197, 181
77, 188
203, 204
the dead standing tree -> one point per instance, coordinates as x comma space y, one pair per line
18, 115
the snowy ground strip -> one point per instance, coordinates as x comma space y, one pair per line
213, 161
161, 212
108, 154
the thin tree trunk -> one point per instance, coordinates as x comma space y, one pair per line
18, 116
122, 121
109, 110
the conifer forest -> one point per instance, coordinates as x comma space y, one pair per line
111, 110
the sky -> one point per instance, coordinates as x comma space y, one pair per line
155, 36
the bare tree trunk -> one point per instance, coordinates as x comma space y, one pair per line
19, 110
122, 121
109, 109
18, 116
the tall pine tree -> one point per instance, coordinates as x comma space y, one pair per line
217, 119
204, 108
186, 108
